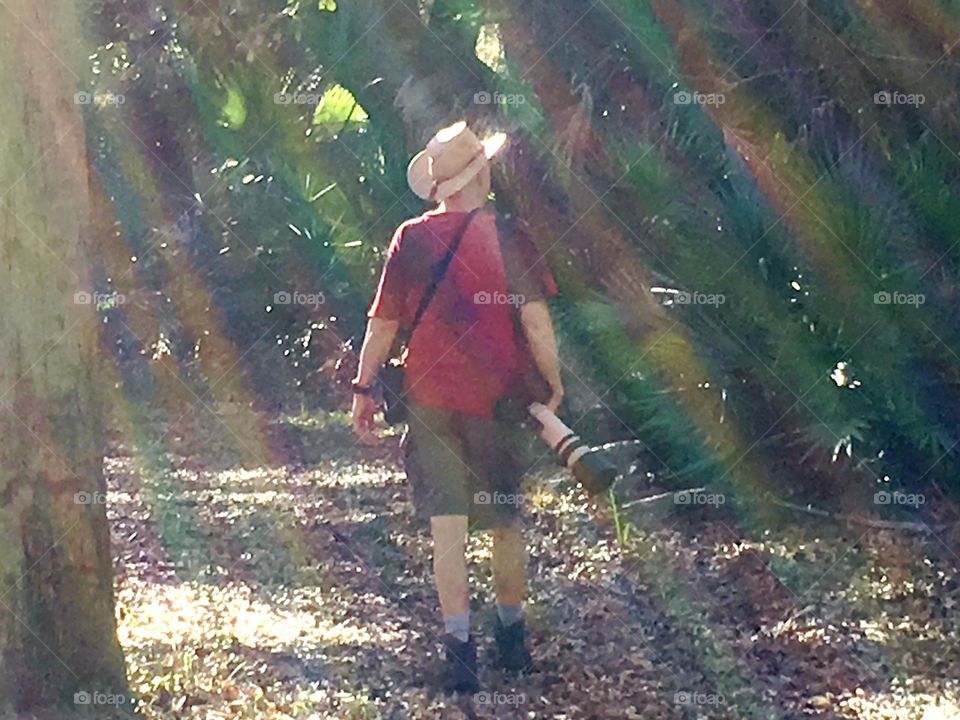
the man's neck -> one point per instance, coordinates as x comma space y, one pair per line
461, 204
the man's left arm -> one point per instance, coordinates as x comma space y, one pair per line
538, 330
530, 279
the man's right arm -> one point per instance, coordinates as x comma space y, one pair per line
375, 351
538, 329
376, 348
384, 322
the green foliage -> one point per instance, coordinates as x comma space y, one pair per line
234, 110
337, 111
319, 186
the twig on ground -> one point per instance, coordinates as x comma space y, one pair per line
870, 522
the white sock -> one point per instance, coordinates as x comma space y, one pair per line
509, 614
458, 626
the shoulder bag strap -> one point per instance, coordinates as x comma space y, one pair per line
438, 276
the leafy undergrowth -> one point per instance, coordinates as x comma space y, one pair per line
302, 589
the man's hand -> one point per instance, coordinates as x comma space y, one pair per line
364, 424
556, 397
376, 347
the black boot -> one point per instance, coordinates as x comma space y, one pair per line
460, 670
512, 653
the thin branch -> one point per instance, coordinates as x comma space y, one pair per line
869, 522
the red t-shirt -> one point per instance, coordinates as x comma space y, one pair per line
465, 352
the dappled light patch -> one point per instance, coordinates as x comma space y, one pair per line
348, 476
490, 47
901, 702
232, 647
479, 549
186, 614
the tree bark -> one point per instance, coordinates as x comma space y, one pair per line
57, 627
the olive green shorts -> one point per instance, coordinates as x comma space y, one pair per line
459, 464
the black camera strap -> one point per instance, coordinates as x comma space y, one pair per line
438, 276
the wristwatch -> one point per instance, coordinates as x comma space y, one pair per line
359, 389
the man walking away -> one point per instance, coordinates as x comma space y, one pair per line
485, 322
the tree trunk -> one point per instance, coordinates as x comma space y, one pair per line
57, 628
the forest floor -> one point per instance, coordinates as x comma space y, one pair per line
302, 589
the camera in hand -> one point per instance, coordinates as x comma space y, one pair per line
592, 470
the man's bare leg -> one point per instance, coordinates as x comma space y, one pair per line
450, 572
450, 575
510, 585
509, 566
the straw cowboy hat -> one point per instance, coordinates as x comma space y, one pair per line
450, 161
